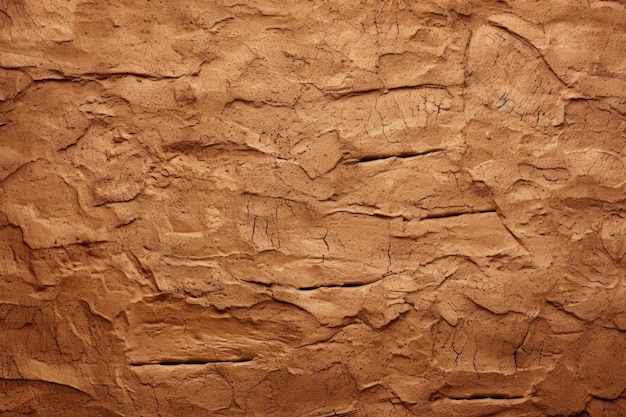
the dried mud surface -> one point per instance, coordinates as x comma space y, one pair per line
312, 208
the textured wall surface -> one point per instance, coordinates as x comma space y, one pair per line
312, 208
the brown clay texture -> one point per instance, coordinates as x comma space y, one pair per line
312, 208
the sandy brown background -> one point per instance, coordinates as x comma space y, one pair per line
312, 208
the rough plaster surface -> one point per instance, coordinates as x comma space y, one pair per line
312, 208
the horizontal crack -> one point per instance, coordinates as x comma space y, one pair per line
497, 397
345, 93
338, 413
455, 214
403, 155
190, 362
346, 285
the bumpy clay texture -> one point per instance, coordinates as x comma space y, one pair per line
312, 208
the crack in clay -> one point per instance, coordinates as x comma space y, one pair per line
339, 94
528, 43
404, 155
344, 285
335, 413
494, 397
190, 362
446, 215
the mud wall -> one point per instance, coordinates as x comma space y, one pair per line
312, 208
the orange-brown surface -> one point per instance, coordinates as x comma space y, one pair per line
312, 208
